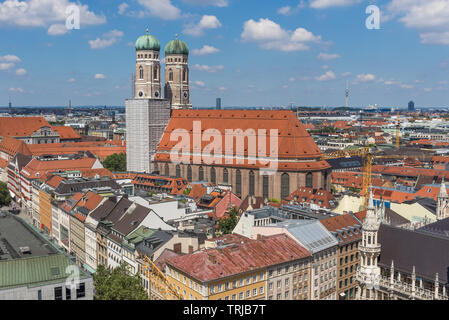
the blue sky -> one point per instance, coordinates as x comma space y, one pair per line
254, 53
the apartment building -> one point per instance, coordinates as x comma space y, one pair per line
323, 246
347, 230
237, 268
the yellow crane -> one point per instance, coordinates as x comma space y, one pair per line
160, 286
367, 157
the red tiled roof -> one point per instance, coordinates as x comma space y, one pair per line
13, 146
440, 159
3, 163
66, 132
37, 168
353, 179
54, 181
175, 185
320, 197
409, 171
21, 126
337, 223
242, 256
294, 142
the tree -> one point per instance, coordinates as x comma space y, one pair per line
5, 198
227, 224
115, 162
118, 284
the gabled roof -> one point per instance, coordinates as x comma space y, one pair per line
344, 227
21, 126
37, 168
294, 142
320, 197
239, 256
13, 146
428, 253
66, 132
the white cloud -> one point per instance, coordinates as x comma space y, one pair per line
57, 29
406, 86
109, 38
16, 90
429, 17
329, 75
205, 50
323, 4
216, 3
100, 76
199, 83
270, 36
346, 74
327, 56
10, 58
207, 68
222, 88
21, 72
71, 80
366, 77
6, 66
163, 9
288, 10
291, 79
325, 67
122, 8
42, 13
206, 22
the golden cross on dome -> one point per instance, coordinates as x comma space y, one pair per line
176, 35
147, 30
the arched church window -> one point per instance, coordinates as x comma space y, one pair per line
265, 186
200, 174
225, 176
167, 170
309, 180
285, 185
238, 182
213, 175
178, 171
170, 75
155, 73
251, 183
184, 75
189, 173
140, 72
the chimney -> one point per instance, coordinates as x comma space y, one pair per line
212, 258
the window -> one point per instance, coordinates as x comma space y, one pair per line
225, 175
278, 297
68, 294
167, 170
220, 287
58, 293
270, 286
279, 283
39, 295
170, 75
140, 72
238, 182
286, 282
155, 73
213, 177
241, 296
309, 180
189, 173
234, 296
285, 185
184, 75
200, 174
286, 294
248, 293
261, 290
178, 171
81, 291
251, 183
265, 184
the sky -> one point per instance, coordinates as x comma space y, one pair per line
248, 52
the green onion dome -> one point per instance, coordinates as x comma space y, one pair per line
176, 47
148, 42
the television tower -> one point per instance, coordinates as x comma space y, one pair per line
70, 106
9, 103
347, 95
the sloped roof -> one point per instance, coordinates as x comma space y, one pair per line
66, 132
320, 197
13, 146
242, 255
21, 126
344, 227
294, 142
428, 253
37, 168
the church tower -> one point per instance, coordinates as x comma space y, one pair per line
147, 83
177, 89
368, 274
443, 202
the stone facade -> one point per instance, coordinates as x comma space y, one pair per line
177, 81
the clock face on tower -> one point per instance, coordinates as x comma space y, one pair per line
185, 94
140, 94
156, 94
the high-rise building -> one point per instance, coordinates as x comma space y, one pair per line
411, 106
177, 89
218, 104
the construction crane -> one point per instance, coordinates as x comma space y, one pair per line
160, 286
398, 138
367, 158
